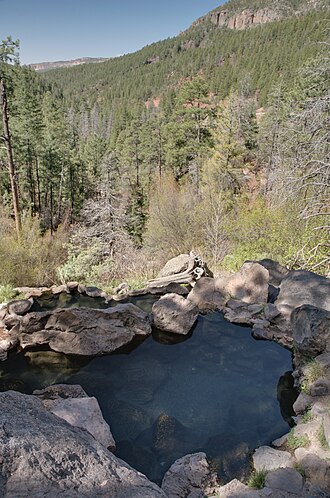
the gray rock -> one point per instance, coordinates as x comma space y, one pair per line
301, 404
326, 427
71, 403
271, 311
175, 265
320, 407
86, 332
43, 456
321, 387
277, 443
173, 287
160, 290
249, 284
235, 489
270, 459
263, 334
32, 291
20, 306
303, 287
311, 330
173, 313
205, 296
241, 315
94, 292
72, 286
189, 477
324, 360
7, 342
58, 289
288, 480
316, 469
276, 271
84, 413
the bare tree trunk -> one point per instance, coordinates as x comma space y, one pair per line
11, 165
59, 202
38, 184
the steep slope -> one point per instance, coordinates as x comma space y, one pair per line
261, 55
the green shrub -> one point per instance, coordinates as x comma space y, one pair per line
311, 372
294, 441
7, 293
322, 439
33, 259
307, 416
257, 479
299, 468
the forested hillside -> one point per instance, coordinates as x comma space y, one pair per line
215, 140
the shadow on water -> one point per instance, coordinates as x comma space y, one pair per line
217, 390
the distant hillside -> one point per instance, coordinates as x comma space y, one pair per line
260, 56
46, 66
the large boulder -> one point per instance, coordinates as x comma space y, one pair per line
20, 306
287, 480
311, 330
86, 332
189, 477
249, 284
175, 265
303, 287
174, 313
276, 271
267, 458
86, 414
72, 403
205, 296
42, 455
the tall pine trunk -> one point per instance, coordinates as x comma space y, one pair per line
11, 165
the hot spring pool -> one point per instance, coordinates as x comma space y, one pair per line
217, 391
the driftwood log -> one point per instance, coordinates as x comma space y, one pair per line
195, 270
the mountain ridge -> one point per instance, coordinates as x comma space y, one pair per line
234, 14
47, 66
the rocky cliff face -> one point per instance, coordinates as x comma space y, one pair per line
245, 19
244, 14
46, 66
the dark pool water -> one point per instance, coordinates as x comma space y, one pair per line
216, 391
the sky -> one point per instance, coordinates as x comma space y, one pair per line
52, 30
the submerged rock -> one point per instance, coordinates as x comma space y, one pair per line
42, 455
86, 332
190, 476
168, 434
173, 313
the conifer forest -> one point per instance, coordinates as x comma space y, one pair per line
216, 141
